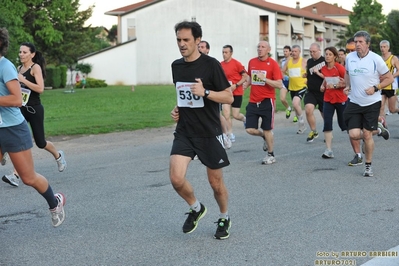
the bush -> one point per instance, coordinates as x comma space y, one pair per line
63, 70
84, 68
92, 83
53, 78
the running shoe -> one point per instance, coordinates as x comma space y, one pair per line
295, 119
193, 218
312, 135
222, 230
356, 161
328, 154
269, 159
58, 213
5, 158
302, 128
384, 132
61, 161
368, 172
11, 179
288, 113
226, 142
383, 121
232, 137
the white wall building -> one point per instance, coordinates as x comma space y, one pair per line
147, 41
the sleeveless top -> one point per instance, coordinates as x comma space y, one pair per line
391, 68
34, 98
295, 74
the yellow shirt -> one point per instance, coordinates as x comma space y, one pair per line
391, 68
295, 74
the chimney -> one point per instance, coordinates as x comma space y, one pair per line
297, 5
314, 10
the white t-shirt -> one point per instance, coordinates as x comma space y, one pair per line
364, 73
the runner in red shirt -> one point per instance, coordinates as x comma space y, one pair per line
236, 75
265, 76
333, 85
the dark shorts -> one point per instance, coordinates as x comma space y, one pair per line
388, 93
237, 101
16, 138
286, 83
210, 151
328, 112
299, 94
366, 117
264, 110
315, 98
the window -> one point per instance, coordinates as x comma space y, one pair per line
131, 28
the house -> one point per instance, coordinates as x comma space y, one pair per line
327, 10
147, 42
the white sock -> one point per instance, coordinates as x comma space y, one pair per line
196, 206
224, 215
289, 108
359, 155
300, 118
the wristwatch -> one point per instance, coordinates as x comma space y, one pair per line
375, 88
206, 93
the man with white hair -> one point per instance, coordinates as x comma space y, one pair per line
389, 92
366, 74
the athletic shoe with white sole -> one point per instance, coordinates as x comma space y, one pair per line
368, 172
269, 159
226, 142
232, 137
328, 154
384, 132
58, 213
11, 179
61, 161
357, 160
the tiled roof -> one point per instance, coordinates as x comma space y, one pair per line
326, 9
131, 8
289, 11
257, 3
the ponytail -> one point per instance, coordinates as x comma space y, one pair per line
38, 58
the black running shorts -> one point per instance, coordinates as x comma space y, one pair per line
210, 151
366, 117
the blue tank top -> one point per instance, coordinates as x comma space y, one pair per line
9, 116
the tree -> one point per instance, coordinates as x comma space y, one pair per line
367, 15
113, 34
84, 68
391, 31
56, 27
11, 14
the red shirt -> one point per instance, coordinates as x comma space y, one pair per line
233, 70
257, 70
334, 95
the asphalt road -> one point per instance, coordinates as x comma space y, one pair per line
122, 210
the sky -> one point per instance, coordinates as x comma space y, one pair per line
101, 6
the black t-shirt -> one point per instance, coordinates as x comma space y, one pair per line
34, 98
204, 121
314, 80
